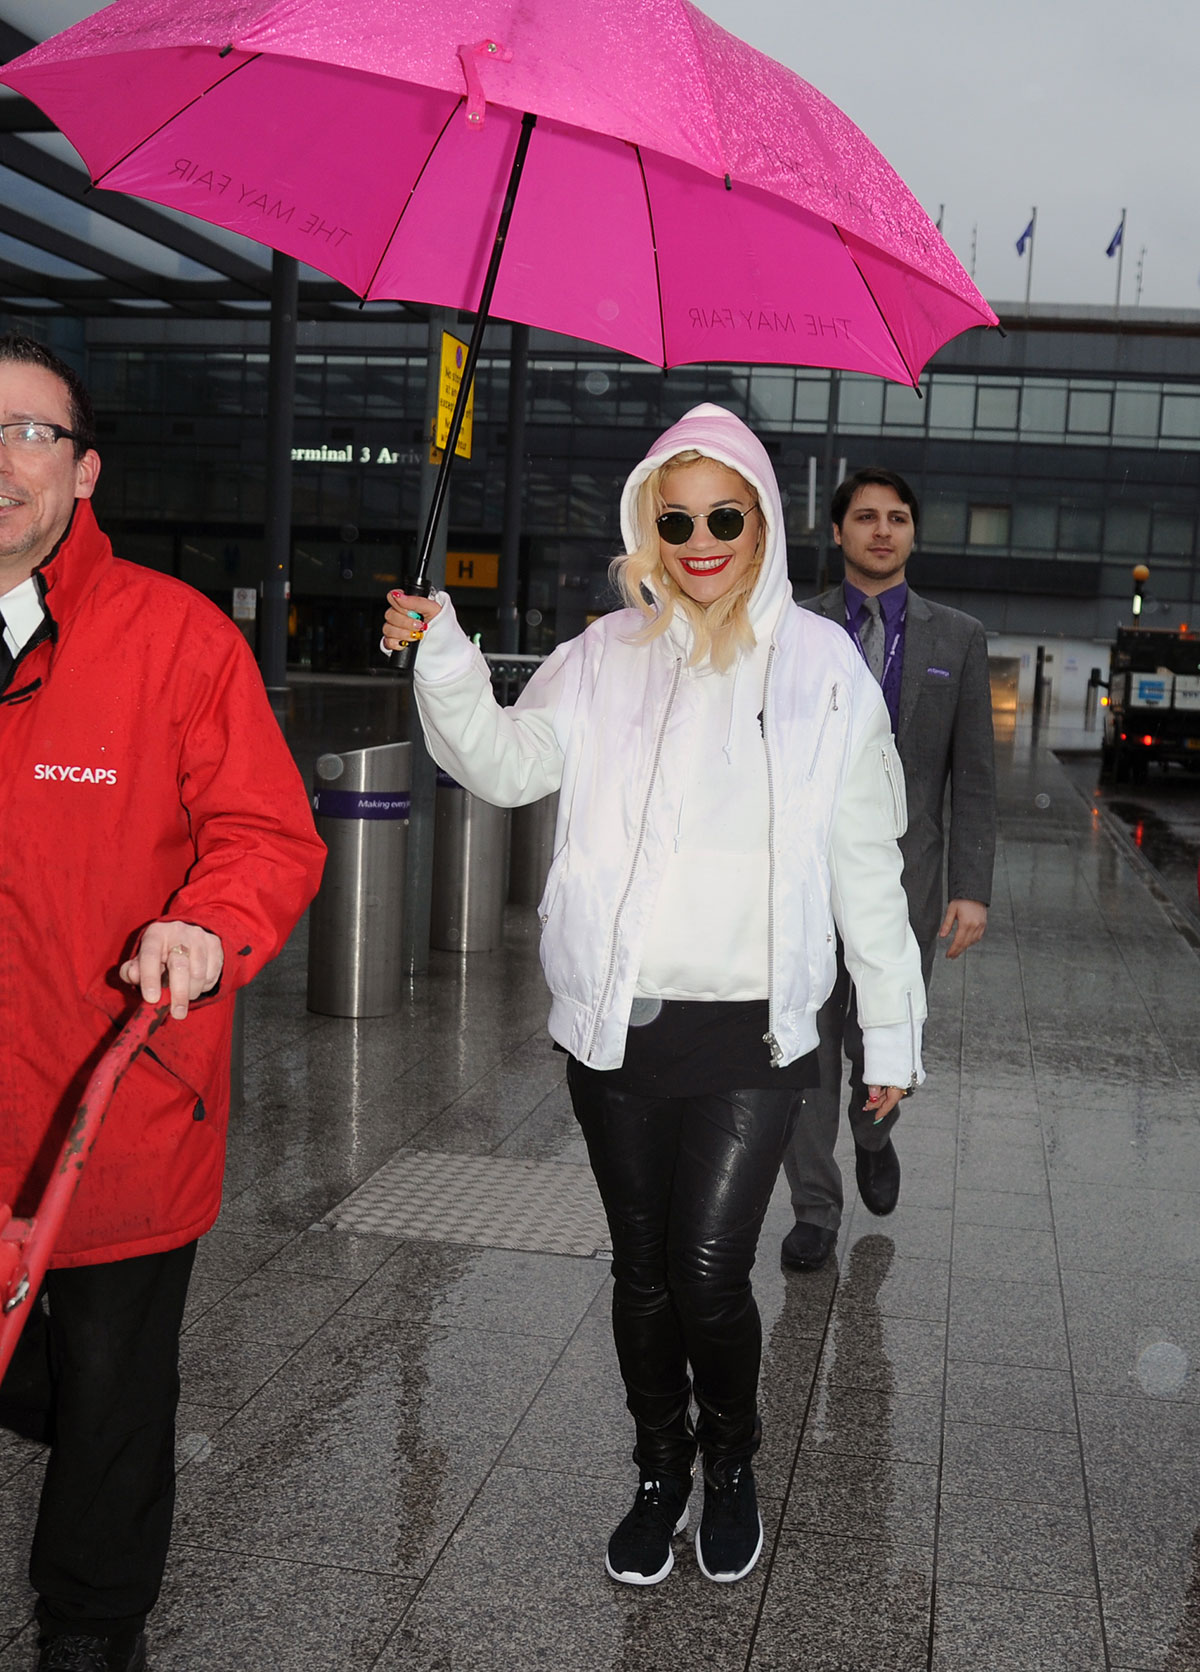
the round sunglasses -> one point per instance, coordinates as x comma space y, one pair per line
725, 523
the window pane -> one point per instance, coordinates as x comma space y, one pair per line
345, 386
987, 525
944, 521
812, 398
996, 408
144, 383
1127, 529
1135, 412
1079, 528
550, 388
952, 404
684, 388
225, 384
1181, 416
1172, 535
387, 385
1035, 527
596, 394
860, 403
1044, 408
1089, 411
903, 408
183, 384
771, 398
255, 380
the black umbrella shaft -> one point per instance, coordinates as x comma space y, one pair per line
441, 486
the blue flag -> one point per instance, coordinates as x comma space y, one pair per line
1024, 239
1116, 240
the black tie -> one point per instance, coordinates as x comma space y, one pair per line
871, 637
6, 656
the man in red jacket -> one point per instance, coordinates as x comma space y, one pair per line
154, 833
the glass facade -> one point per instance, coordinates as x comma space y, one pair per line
1047, 462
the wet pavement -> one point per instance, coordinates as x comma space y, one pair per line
403, 1448
1159, 819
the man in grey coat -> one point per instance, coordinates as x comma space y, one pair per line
932, 665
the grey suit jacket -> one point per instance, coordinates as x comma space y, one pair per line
944, 737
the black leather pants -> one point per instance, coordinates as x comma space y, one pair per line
685, 1183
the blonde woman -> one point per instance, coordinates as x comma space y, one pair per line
730, 794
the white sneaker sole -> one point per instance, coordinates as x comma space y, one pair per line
730, 1578
631, 1578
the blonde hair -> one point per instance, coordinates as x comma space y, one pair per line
720, 629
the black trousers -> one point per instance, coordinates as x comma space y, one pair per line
685, 1183
813, 1174
97, 1375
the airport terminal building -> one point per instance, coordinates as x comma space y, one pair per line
1048, 459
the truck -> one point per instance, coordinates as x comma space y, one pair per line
1152, 716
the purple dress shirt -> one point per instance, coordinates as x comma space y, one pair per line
893, 609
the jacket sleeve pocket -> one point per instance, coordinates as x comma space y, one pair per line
894, 797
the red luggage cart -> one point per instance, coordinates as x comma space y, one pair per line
27, 1244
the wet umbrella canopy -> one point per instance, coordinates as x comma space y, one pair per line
684, 198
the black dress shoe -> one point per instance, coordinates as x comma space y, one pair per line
878, 1175
807, 1247
78, 1652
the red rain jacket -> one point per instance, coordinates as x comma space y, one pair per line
143, 776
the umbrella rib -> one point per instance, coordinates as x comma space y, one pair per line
454, 109
662, 324
175, 114
915, 382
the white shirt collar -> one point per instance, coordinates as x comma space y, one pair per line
22, 611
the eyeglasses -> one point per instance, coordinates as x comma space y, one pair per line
725, 523
27, 436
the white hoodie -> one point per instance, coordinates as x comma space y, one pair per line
635, 740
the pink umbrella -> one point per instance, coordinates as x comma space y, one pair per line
684, 198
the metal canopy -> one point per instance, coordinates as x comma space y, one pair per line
68, 249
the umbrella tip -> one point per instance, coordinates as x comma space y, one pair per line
728, 184
225, 51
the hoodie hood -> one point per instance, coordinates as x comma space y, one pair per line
719, 435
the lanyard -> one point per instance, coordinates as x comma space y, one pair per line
892, 646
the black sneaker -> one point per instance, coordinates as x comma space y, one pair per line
730, 1538
639, 1552
78, 1653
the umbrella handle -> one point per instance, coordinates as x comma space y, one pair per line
420, 582
26, 1245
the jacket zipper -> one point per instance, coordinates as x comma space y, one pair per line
912, 1040
610, 973
769, 1038
898, 806
830, 708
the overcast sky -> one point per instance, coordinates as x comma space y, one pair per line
1082, 107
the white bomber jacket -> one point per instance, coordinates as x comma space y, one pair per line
597, 722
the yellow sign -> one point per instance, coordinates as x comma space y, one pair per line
454, 358
472, 569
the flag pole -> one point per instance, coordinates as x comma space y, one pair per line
1120, 259
1141, 268
1029, 269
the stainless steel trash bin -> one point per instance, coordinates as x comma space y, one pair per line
470, 870
361, 804
532, 850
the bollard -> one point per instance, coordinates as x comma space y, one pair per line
355, 957
532, 849
470, 870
